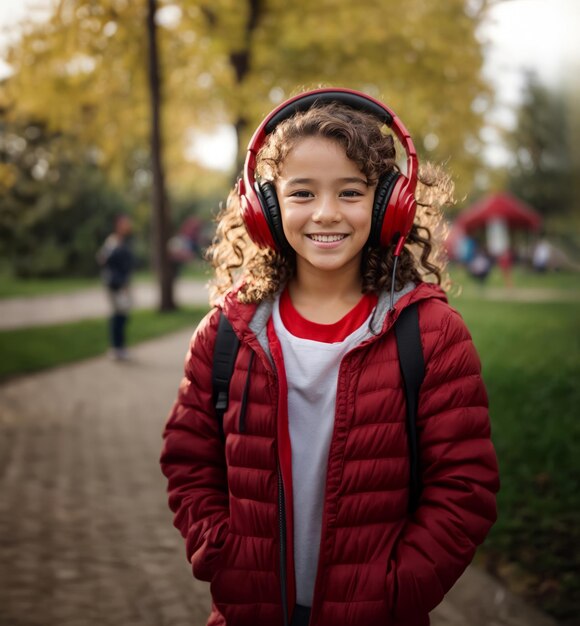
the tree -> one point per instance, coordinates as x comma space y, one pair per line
425, 62
161, 218
542, 166
90, 60
56, 207
230, 61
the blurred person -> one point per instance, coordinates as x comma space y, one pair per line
192, 229
499, 248
465, 249
298, 504
480, 265
185, 245
117, 262
505, 262
180, 253
541, 255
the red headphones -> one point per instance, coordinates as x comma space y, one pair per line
394, 203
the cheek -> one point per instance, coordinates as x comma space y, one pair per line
291, 218
363, 221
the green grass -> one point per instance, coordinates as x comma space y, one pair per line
11, 287
29, 350
531, 365
197, 269
521, 276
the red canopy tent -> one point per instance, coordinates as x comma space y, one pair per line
516, 213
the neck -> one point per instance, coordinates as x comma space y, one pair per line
325, 296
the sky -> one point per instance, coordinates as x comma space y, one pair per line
520, 35
532, 34
523, 35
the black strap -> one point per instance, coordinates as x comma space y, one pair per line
411, 363
224, 358
300, 615
413, 370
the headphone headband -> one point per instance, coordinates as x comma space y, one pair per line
248, 188
303, 103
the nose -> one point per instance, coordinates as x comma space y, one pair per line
327, 210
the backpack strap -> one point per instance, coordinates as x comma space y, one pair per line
224, 358
413, 370
411, 362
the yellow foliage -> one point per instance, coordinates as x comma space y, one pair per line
8, 177
85, 71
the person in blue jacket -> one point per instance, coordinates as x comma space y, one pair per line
117, 261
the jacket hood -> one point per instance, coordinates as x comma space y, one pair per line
249, 321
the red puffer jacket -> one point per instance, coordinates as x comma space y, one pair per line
378, 565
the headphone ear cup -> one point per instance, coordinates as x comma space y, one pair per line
383, 194
266, 193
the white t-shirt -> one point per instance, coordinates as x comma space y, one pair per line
312, 373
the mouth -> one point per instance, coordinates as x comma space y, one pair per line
321, 238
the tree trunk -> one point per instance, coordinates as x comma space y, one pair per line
159, 197
240, 126
240, 61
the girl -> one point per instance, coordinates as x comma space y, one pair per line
297, 513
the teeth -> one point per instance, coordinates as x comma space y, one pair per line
327, 238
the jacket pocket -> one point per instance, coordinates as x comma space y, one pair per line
206, 561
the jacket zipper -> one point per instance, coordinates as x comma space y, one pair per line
282, 522
320, 565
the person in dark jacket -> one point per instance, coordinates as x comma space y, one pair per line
297, 512
116, 260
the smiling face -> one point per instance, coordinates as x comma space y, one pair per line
326, 207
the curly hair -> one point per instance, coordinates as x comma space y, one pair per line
260, 273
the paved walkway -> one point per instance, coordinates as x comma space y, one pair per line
88, 303
85, 533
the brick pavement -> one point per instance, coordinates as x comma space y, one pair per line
85, 534
89, 303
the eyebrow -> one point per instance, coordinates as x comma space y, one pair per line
309, 181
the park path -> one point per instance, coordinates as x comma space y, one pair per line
89, 303
86, 537
92, 302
